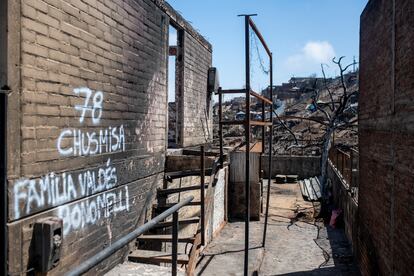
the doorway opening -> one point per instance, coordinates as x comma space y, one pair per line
175, 39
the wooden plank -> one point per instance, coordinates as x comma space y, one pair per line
194, 255
165, 238
233, 91
254, 147
184, 221
181, 174
155, 257
303, 190
316, 187
238, 167
175, 163
311, 193
260, 97
178, 190
260, 123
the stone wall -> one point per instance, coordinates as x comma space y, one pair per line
386, 125
88, 119
303, 166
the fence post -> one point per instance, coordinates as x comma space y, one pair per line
337, 159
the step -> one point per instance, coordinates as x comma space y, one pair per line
179, 190
169, 205
174, 175
155, 257
185, 221
165, 238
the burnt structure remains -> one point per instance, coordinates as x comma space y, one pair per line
87, 120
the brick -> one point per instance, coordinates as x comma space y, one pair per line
48, 87
48, 110
57, 13
70, 29
95, 12
29, 12
77, 61
47, 20
79, 4
87, 55
58, 56
34, 73
47, 42
90, 20
34, 97
58, 35
69, 9
37, 4
34, 26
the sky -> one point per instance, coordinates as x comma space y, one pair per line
301, 34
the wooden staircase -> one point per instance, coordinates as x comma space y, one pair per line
163, 229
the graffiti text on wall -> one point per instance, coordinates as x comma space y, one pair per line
55, 189
76, 142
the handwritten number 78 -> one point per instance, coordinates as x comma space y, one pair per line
95, 107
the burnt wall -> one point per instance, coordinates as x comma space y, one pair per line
386, 125
197, 109
303, 166
88, 120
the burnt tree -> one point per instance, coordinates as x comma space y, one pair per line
332, 117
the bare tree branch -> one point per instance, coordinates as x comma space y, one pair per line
327, 88
287, 128
303, 119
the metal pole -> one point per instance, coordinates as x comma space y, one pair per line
269, 177
247, 133
174, 244
85, 266
202, 195
3, 178
220, 94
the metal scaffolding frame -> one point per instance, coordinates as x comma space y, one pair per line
248, 123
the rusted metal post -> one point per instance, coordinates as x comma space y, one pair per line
269, 176
174, 244
247, 136
220, 94
202, 195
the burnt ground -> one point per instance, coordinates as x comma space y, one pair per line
299, 244
296, 244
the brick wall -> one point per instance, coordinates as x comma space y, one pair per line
88, 118
386, 239
197, 126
